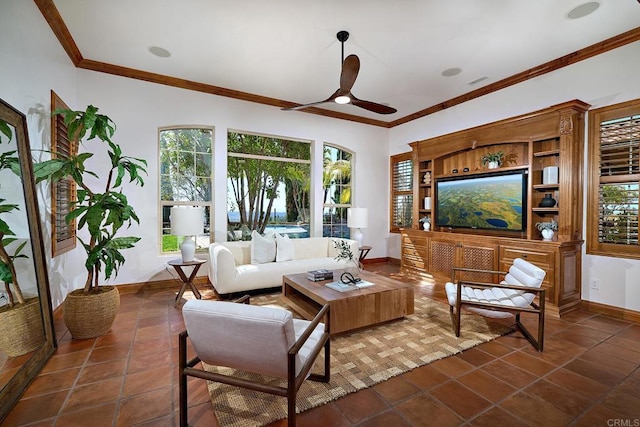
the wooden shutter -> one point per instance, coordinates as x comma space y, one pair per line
401, 191
615, 186
63, 235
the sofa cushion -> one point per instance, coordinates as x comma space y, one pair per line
284, 248
311, 247
263, 249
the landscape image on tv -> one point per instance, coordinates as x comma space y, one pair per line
484, 202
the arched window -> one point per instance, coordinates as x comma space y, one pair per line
337, 191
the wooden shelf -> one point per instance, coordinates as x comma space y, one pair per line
546, 210
546, 186
546, 153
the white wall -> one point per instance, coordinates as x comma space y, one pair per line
604, 80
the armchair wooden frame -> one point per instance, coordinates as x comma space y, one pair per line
536, 308
187, 368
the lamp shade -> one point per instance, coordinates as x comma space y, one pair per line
187, 220
357, 218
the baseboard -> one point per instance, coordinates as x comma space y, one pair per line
611, 311
375, 260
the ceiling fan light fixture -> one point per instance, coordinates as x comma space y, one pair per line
342, 99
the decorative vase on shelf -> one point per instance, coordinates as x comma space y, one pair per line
493, 165
547, 234
426, 225
427, 203
427, 178
547, 202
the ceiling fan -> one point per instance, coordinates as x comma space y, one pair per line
350, 68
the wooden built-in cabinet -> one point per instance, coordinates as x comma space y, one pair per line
550, 137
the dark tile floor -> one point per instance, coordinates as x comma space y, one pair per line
588, 375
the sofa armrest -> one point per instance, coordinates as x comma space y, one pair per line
222, 267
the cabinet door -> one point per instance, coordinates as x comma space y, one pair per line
443, 257
478, 257
446, 254
541, 257
414, 252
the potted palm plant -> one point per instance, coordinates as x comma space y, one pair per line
20, 321
90, 311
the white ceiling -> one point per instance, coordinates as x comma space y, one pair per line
287, 49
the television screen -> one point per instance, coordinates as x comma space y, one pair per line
491, 201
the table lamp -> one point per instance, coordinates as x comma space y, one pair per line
187, 221
357, 218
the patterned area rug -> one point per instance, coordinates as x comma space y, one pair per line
358, 360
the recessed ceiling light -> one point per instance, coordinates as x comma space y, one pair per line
583, 10
450, 72
160, 52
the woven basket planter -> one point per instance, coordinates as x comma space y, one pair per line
91, 315
21, 329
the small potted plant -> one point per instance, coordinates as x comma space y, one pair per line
426, 222
345, 253
547, 229
492, 160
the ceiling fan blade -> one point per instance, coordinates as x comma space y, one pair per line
372, 106
350, 68
300, 107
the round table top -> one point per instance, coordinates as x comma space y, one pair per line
179, 262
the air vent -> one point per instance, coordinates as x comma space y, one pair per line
476, 81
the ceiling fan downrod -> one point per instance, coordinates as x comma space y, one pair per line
343, 36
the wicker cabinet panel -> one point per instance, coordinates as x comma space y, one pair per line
443, 257
478, 257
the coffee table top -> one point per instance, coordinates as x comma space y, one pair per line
323, 294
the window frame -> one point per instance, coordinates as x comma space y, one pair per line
393, 160
338, 205
596, 117
200, 246
240, 155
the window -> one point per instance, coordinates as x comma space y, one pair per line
269, 180
185, 178
401, 191
63, 235
614, 180
336, 187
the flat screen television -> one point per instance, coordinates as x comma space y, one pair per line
487, 201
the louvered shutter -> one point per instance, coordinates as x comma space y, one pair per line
63, 235
401, 191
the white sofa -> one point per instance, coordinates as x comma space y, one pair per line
230, 268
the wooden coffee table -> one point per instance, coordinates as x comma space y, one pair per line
387, 300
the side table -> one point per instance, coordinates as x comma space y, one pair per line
364, 251
178, 264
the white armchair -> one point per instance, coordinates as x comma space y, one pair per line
513, 295
263, 340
